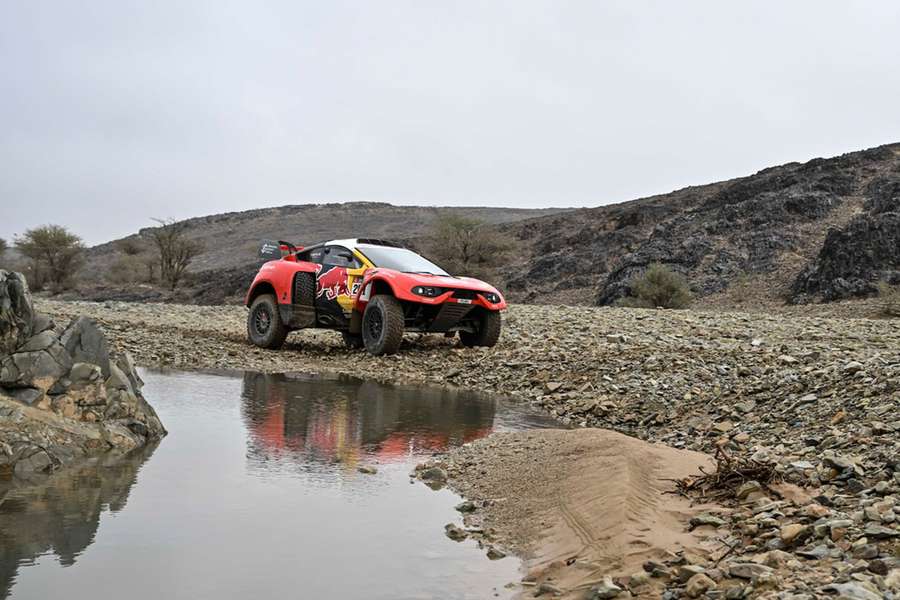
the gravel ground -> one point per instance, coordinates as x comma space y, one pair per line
817, 396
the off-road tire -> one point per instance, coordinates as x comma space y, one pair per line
264, 325
352, 341
304, 289
488, 330
382, 325
304, 299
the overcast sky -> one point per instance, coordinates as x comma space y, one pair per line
113, 112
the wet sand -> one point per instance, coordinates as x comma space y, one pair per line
579, 505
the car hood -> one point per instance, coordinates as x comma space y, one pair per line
460, 283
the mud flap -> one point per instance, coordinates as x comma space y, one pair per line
355, 322
297, 316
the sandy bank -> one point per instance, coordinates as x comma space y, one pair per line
578, 505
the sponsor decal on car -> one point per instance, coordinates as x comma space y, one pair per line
332, 283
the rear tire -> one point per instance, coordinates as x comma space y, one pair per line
382, 325
488, 331
264, 325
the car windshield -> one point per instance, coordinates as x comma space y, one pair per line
399, 259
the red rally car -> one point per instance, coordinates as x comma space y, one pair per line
369, 290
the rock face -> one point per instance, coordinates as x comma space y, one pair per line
855, 258
16, 312
769, 231
63, 394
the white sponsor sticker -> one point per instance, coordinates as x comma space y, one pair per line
463, 301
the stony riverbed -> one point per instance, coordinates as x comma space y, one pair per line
819, 397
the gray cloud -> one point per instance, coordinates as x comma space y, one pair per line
114, 111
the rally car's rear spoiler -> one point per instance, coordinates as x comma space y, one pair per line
272, 250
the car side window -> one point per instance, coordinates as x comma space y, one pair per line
313, 256
338, 256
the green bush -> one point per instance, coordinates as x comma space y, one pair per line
658, 287
890, 300
55, 255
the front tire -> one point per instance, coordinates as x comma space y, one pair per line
382, 325
487, 333
264, 325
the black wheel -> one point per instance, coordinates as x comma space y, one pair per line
352, 341
264, 325
487, 333
382, 325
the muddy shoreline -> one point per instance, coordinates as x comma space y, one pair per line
817, 397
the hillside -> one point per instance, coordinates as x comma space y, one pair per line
827, 229
231, 241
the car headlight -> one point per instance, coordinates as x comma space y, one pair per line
492, 297
427, 291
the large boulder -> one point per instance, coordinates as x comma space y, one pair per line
65, 394
86, 343
16, 311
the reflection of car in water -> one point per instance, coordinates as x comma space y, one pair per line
345, 418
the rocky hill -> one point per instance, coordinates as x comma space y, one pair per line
823, 230
826, 229
231, 241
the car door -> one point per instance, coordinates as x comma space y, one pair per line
336, 281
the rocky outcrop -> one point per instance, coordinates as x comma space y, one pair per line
760, 231
746, 227
855, 258
63, 393
16, 312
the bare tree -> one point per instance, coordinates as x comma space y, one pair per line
466, 246
3, 248
55, 253
176, 250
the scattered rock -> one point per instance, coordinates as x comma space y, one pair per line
455, 533
698, 585
794, 532
748, 570
606, 589
706, 519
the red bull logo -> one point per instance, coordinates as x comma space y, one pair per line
333, 283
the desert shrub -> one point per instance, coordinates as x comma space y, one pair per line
466, 246
130, 247
128, 269
658, 287
176, 250
55, 255
889, 297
